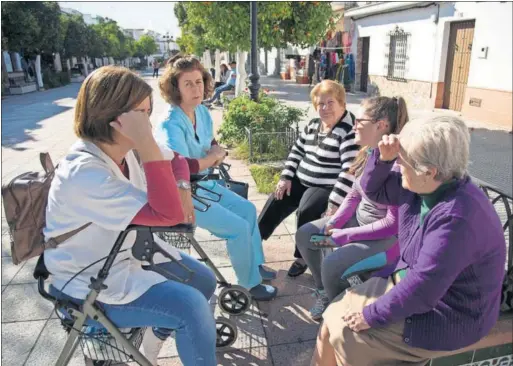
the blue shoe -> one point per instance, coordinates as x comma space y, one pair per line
266, 275
263, 292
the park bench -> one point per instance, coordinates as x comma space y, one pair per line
497, 347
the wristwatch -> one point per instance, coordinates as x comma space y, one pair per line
183, 184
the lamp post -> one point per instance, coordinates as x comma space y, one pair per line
254, 86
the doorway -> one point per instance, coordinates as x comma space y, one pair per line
458, 64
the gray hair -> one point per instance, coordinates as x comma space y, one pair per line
440, 142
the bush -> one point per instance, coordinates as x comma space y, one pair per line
54, 79
266, 177
266, 116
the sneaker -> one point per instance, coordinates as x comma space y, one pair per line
320, 305
263, 292
266, 275
151, 346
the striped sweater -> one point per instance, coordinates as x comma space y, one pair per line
325, 162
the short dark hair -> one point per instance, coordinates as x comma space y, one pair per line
168, 83
105, 94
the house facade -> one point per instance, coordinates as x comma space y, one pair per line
451, 55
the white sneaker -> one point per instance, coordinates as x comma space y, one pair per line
151, 346
320, 305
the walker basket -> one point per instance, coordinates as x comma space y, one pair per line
178, 240
100, 345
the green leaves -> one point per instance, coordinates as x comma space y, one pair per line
226, 25
268, 115
146, 46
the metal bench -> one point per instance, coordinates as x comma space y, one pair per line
497, 347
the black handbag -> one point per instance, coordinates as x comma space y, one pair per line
240, 188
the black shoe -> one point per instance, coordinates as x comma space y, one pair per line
297, 269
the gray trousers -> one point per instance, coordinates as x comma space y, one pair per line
327, 268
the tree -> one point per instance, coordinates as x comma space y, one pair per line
95, 43
145, 46
76, 42
228, 23
113, 39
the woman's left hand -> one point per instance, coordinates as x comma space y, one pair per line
356, 322
330, 211
187, 206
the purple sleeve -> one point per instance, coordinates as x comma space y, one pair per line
444, 254
346, 209
379, 182
380, 229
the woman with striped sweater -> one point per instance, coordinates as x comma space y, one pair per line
316, 178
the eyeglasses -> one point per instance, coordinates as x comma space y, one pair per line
360, 120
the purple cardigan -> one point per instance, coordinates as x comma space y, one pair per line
451, 294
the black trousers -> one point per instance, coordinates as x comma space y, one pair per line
155, 72
310, 203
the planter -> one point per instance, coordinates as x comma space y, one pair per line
77, 78
17, 90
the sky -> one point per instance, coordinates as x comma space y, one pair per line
157, 16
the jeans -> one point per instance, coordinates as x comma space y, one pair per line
218, 91
310, 203
172, 305
235, 220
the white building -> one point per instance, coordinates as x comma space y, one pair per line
454, 55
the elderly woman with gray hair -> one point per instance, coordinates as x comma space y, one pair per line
445, 292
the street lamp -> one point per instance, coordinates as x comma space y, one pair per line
167, 39
254, 86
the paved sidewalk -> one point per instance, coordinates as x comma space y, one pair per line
278, 333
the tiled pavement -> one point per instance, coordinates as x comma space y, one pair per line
278, 333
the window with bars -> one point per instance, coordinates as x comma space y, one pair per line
397, 54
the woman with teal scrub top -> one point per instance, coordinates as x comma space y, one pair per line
188, 130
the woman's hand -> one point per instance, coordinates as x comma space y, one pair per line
218, 154
356, 322
389, 147
187, 206
135, 126
339, 236
328, 228
283, 186
330, 211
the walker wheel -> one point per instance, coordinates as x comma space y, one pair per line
234, 300
226, 333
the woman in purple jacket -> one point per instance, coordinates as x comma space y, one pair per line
360, 227
446, 290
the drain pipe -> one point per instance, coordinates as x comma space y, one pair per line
435, 20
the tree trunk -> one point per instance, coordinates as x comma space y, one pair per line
240, 85
57, 64
39, 76
218, 65
5, 77
86, 71
68, 65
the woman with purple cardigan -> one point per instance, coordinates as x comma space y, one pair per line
360, 227
445, 293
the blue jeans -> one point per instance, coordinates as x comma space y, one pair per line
218, 91
172, 305
235, 220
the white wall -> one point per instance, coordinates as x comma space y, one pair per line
419, 23
428, 43
494, 30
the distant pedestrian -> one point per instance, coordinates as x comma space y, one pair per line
156, 67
